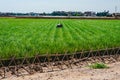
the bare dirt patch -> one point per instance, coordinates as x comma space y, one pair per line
83, 73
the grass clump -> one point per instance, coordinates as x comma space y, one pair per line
98, 66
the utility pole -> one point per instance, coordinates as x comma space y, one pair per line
115, 9
68, 13
115, 14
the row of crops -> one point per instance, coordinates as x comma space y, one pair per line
22, 37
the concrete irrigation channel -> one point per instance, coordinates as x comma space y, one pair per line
39, 63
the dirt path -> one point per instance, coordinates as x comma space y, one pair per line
84, 73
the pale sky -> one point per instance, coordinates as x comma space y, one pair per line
58, 5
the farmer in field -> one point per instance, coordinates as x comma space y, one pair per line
59, 25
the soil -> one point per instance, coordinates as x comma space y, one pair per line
81, 73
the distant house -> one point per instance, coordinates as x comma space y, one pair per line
89, 13
116, 15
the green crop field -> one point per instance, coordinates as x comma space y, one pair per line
40, 36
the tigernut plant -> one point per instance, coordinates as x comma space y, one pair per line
40, 36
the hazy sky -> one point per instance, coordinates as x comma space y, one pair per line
55, 5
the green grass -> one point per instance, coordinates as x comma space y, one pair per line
22, 37
98, 66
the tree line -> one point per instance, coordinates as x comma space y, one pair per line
60, 13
